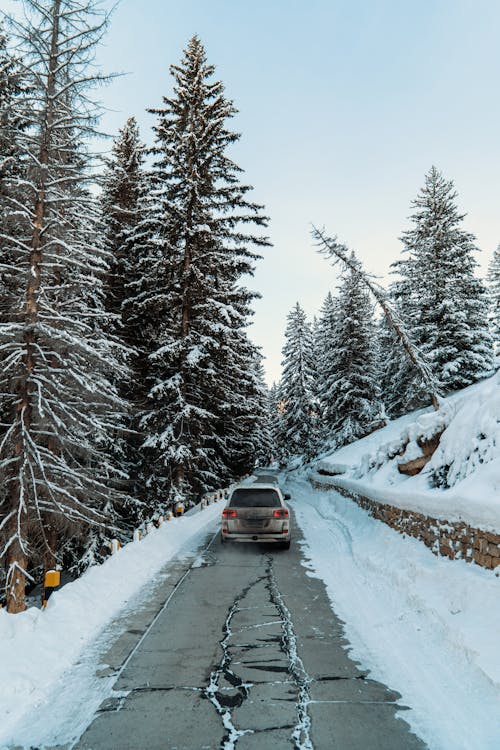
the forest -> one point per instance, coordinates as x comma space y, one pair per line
128, 376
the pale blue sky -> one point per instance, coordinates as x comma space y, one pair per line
344, 105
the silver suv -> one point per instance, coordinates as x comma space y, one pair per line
257, 513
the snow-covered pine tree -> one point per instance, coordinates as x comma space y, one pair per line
297, 423
275, 413
59, 405
122, 184
196, 252
340, 254
494, 295
263, 423
324, 348
353, 405
124, 199
402, 386
448, 303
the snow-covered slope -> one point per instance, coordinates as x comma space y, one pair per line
39, 649
461, 482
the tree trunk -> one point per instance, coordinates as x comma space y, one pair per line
16, 579
16, 558
340, 252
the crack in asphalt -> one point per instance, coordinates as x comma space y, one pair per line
225, 700
301, 733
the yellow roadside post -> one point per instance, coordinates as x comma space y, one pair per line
160, 521
51, 583
137, 535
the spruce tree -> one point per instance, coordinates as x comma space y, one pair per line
122, 184
275, 413
123, 200
402, 386
297, 423
448, 305
195, 246
261, 427
324, 347
354, 408
494, 295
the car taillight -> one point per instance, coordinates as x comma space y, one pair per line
228, 513
281, 513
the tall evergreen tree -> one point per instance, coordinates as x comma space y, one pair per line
403, 388
124, 189
263, 421
195, 247
297, 422
275, 413
353, 406
122, 185
325, 346
59, 404
448, 308
494, 295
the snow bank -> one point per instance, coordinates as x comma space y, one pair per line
461, 482
37, 647
425, 626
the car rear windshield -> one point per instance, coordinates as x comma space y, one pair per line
255, 498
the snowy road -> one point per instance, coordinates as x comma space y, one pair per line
247, 654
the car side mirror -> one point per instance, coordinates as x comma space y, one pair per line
287, 496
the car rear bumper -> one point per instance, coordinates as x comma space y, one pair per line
270, 538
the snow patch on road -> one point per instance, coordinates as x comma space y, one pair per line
39, 649
423, 625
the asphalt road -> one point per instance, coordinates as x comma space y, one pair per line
247, 654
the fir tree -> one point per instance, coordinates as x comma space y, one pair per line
275, 413
448, 309
195, 248
265, 443
494, 295
324, 347
124, 191
353, 407
297, 423
403, 388
122, 185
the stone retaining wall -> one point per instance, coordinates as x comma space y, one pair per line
452, 539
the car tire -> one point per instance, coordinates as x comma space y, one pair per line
222, 540
286, 545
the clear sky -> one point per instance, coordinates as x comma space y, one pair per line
343, 107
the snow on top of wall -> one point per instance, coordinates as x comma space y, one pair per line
461, 482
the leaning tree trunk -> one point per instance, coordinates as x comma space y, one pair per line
339, 252
16, 557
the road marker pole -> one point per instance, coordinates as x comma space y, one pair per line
51, 583
137, 535
114, 546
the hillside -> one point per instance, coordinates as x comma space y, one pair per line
460, 482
